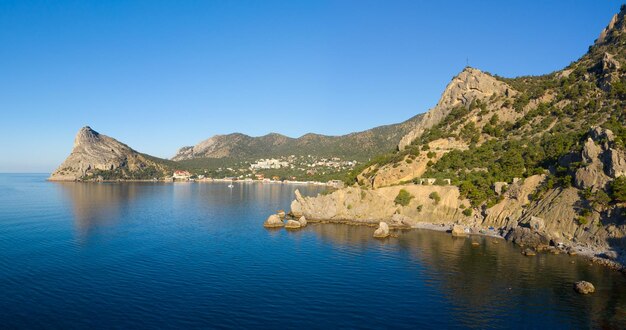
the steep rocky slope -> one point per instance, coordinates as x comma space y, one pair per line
371, 142
468, 86
540, 159
99, 157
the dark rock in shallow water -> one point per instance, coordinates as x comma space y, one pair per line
527, 237
584, 287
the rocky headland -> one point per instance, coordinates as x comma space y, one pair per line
97, 157
537, 160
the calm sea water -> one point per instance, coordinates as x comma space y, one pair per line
185, 255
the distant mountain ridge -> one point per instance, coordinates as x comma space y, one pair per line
358, 145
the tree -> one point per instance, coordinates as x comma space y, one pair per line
618, 189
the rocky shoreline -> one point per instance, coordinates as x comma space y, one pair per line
529, 242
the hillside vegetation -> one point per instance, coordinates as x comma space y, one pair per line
538, 125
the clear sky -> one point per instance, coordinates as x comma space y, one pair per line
158, 75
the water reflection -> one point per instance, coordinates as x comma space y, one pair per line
485, 282
98, 206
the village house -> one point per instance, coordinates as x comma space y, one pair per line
181, 175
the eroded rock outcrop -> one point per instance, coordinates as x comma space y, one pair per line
293, 224
602, 162
372, 206
93, 152
273, 221
382, 231
469, 85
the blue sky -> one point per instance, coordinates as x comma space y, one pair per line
159, 75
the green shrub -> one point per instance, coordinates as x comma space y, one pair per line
435, 197
467, 212
431, 154
403, 198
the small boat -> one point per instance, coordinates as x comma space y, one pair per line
230, 185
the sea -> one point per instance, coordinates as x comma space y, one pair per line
196, 255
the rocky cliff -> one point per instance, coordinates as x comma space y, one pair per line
540, 159
468, 86
96, 156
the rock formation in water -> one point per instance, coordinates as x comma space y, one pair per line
99, 157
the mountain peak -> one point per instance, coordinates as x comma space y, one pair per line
469, 85
94, 152
616, 26
86, 135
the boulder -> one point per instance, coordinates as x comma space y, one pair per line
281, 213
382, 231
500, 187
536, 223
273, 221
529, 252
458, 231
302, 221
526, 237
584, 287
293, 224
616, 162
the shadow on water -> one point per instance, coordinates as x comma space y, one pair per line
490, 279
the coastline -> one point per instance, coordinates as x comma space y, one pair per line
314, 183
589, 254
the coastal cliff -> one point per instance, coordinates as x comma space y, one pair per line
538, 160
98, 157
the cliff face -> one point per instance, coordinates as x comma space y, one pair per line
371, 206
542, 158
469, 85
94, 152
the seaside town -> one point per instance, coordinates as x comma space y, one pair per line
307, 169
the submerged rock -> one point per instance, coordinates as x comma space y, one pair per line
584, 287
273, 221
458, 231
529, 252
293, 224
382, 231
